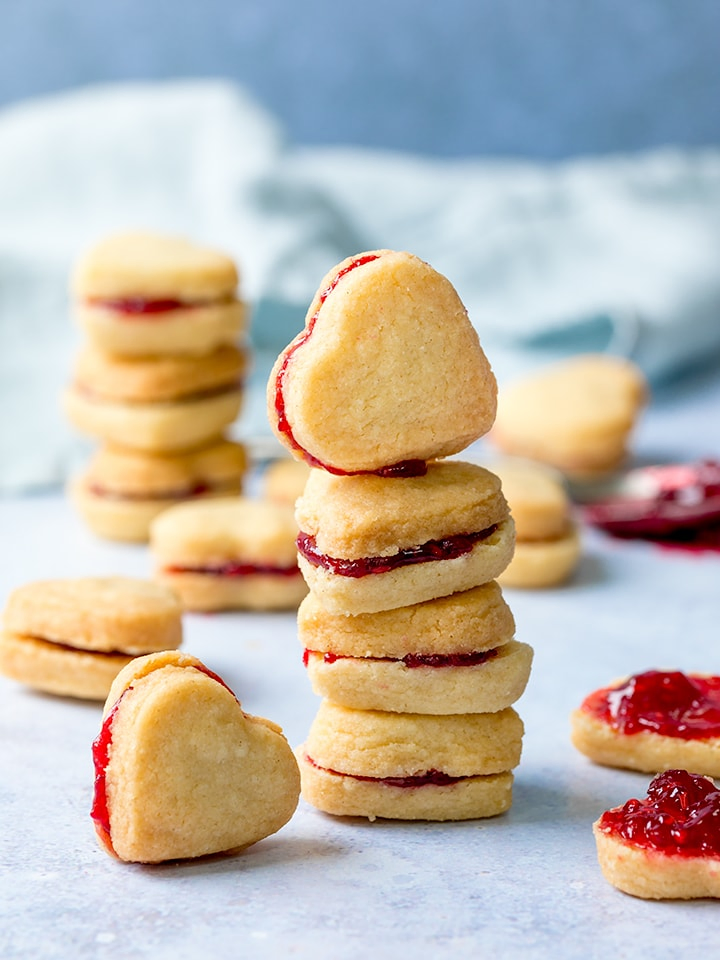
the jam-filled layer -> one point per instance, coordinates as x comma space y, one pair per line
669, 703
144, 307
71, 648
448, 548
405, 468
236, 569
680, 816
180, 493
435, 778
102, 744
208, 394
413, 660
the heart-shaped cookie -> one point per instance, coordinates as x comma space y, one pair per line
181, 771
388, 370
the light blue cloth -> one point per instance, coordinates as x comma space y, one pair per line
618, 253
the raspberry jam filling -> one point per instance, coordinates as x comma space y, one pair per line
449, 548
435, 778
413, 660
670, 703
405, 468
130, 307
196, 490
102, 744
680, 816
236, 569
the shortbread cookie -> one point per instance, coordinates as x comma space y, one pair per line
547, 542
576, 415
455, 654
666, 847
139, 294
181, 771
164, 404
284, 480
229, 553
410, 766
388, 371
121, 491
71, 637
652, 721
370, 543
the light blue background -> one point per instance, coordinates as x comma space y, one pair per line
535, 78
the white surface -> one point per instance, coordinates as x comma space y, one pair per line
523, 885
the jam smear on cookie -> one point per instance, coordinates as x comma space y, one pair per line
405, 468
434, 778
680, 816
237, 569
143, 307
669, 703
413, 660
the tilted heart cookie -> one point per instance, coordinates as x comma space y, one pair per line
181, 771
388, 372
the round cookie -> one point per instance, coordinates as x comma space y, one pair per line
284, 480
71, 637
181, 771
122, 491
370, 543
451, 655
547, 541
575, 415
666, 846
410, 766
358, 389
229, 553
652, 721
163, 404
140, 294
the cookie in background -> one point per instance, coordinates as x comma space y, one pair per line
283, 480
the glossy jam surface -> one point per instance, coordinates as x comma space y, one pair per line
681, 816
669, 703
434, 778
236, 569
142, 307
102, 744
677, 505
412, 660
449, 548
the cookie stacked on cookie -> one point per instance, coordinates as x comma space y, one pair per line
159, 381
407, 636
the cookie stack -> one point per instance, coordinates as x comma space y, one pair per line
407, 636
159, 381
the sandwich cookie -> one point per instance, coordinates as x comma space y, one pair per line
410, 766
159, 404
181, 770
122, 491
451, 655
72, 637
230, 553
370, 543
140, 294
284, 480
387, 373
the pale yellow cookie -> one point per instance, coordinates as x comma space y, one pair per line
576, 415
229, 553
121, 491
454, 516
388, 369
181, 771
410, 766
71, 637
284, 480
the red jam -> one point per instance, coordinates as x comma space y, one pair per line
449, 548
671, 704
197, 490
237, 569
99, 812
405, 468
142, 307
680, 816
434, 778
412, 660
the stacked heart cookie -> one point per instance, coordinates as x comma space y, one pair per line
160, 380
407, 637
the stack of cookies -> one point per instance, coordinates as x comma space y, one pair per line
407, 636
159, 381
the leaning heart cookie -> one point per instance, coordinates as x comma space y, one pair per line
388, 372
181, 771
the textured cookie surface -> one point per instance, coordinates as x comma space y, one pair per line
181, 770
389, 368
